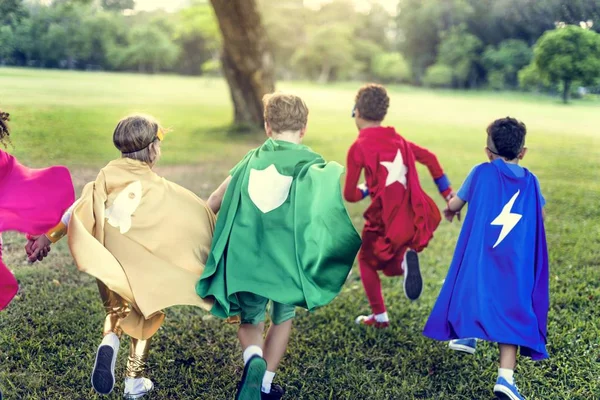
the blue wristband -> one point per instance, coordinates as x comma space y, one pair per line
443, 183
363, 189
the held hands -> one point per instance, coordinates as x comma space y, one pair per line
448, 213
37, 248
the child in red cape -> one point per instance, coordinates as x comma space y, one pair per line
401, 218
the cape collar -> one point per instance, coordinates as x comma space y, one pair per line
377, 131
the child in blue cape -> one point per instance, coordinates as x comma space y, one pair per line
497, 284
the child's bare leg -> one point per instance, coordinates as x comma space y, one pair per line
508, 356
508, 361
505, 385
251, 335
276, 344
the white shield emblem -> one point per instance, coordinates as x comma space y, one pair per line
268, 189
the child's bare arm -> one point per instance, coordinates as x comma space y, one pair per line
456, 204
216, 198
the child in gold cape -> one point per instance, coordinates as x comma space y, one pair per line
146, 241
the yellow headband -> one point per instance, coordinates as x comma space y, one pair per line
160, 134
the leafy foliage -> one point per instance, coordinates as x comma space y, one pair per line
505, 61
482, 42
568, 54
438, 76
460, 51
390, 67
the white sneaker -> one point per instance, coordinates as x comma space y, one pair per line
103, 375
136, 388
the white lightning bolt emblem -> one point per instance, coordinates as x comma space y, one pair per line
507, 220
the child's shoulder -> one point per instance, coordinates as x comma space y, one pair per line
483, 167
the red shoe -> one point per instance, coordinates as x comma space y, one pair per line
369, 320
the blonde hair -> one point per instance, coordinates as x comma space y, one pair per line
285, 112
137, 137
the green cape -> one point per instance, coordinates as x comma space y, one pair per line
283, 231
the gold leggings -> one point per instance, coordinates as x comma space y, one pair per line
116, 309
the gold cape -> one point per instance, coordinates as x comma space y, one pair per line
157, 260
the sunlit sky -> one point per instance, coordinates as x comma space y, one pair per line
172, 5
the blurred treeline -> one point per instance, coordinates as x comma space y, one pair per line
440, 43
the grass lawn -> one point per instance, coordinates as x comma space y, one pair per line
49, 334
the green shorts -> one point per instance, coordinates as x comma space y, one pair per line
254, 308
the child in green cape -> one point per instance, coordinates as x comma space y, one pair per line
283, 235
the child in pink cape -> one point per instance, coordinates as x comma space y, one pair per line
31, 201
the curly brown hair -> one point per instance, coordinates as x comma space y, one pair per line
506, 137
372, 102
4, 131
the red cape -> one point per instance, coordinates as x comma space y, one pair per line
31, 201
406, 216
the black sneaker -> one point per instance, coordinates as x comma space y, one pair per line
249, 387
413, 282
103, 375
277, 393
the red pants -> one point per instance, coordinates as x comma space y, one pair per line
378, 254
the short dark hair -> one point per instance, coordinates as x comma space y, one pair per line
4, 130
506, 137
372, 102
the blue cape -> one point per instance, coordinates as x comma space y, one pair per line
497, 284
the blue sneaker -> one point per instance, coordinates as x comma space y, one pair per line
464, 345
505, 391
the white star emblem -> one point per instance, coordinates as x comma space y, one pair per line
396, 170
507, 219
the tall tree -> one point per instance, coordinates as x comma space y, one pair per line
247, 62
568, 55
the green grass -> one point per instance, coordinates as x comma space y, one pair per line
49, 334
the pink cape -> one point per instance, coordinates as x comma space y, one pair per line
31, 201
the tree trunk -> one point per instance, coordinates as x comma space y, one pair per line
566, 89
246, 60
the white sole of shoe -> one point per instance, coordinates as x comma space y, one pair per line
462, 348
504, 393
